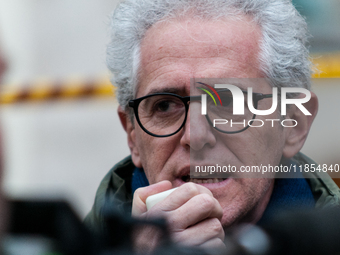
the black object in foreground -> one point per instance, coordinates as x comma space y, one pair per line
301, 233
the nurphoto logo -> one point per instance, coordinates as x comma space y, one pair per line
231, 104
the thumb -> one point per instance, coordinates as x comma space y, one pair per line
141, 194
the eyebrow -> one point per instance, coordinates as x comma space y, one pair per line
166, 90
240, 85
237, 84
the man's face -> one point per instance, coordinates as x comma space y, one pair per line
172, 53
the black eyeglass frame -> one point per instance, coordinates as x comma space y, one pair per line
134, 103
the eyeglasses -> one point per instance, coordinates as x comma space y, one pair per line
164, 114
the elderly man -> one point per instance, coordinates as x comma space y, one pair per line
159, 52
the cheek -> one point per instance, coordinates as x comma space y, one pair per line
242, 198
154, 153
255, 146
267, 145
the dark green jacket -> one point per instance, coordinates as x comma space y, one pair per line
117, 185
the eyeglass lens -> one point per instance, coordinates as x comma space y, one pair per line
162, 114
165, 114
222, 117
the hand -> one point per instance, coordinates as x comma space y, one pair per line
193, 216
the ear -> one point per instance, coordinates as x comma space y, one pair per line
296, 136
130, 131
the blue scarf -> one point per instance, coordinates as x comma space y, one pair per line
139, 179
287, 194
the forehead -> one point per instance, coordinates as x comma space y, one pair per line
174, 51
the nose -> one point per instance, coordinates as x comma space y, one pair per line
197, 133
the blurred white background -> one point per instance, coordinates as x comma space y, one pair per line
60, 148
64, 148
54, 38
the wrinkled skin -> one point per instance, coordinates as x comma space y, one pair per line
172, 53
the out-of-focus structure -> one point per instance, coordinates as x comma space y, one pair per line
61, 130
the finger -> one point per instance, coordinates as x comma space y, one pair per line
197, 209
200, 233
182, 195
140, 195
214, 246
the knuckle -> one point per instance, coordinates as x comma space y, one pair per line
219, 211
178, 237
152, 213
173, 221
206, 201
216, 226
191, 189
138, 192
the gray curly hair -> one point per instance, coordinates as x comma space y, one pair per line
284, 57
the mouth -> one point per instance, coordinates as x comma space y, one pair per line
187, 178
205, 179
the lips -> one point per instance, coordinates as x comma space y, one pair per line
185, 176
211, 180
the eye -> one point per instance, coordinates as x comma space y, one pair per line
224, 110
168, 105
226, 99
163, 106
